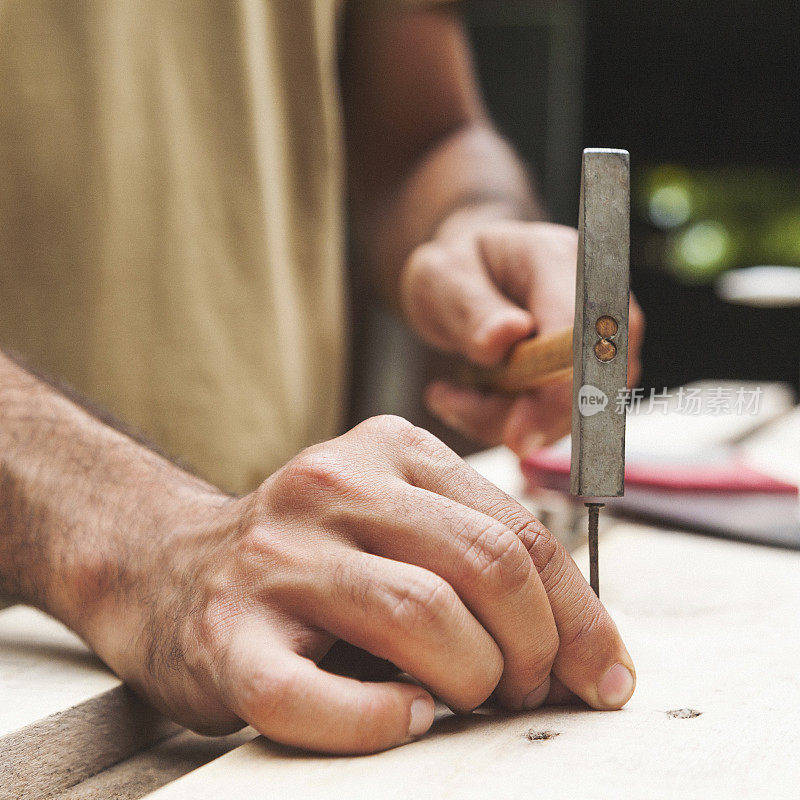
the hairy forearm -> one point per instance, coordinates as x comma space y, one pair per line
75, 494
470, 175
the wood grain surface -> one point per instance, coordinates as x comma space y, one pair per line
713, 627
63, 714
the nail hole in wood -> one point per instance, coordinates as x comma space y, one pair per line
532, 735
683, 713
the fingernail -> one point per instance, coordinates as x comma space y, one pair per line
537, 696
422, 711
616, 686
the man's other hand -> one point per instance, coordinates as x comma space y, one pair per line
383, 538
479, 288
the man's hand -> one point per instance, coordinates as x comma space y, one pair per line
477, 289
421, 149
386, 539
217, 608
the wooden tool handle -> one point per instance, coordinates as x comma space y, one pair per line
531, 363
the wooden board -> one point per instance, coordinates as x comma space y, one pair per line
63, 714
158, 765
713, 626
44, 669
64, 717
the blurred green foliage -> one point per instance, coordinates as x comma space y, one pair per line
700, 223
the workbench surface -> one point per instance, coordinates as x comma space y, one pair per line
713, 627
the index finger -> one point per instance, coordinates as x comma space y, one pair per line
592, 660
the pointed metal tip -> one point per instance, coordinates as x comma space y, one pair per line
594, 522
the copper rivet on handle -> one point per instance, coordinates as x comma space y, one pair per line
605, 350
606, 326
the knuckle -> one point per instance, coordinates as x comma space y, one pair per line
421, 282
422, 602
588, 639
386, 425
357, 587
317, 472
418, 439
399, 432
498, 561
424, 267
546, 552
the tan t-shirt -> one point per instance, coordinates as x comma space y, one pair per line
171, 220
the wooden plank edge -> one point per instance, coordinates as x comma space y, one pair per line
164, 762
65, 748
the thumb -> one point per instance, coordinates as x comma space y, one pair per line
453, 304
290, 700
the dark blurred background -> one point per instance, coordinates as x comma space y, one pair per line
706, 96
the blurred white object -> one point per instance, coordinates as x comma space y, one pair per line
775, 448
766, 286
729, 472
